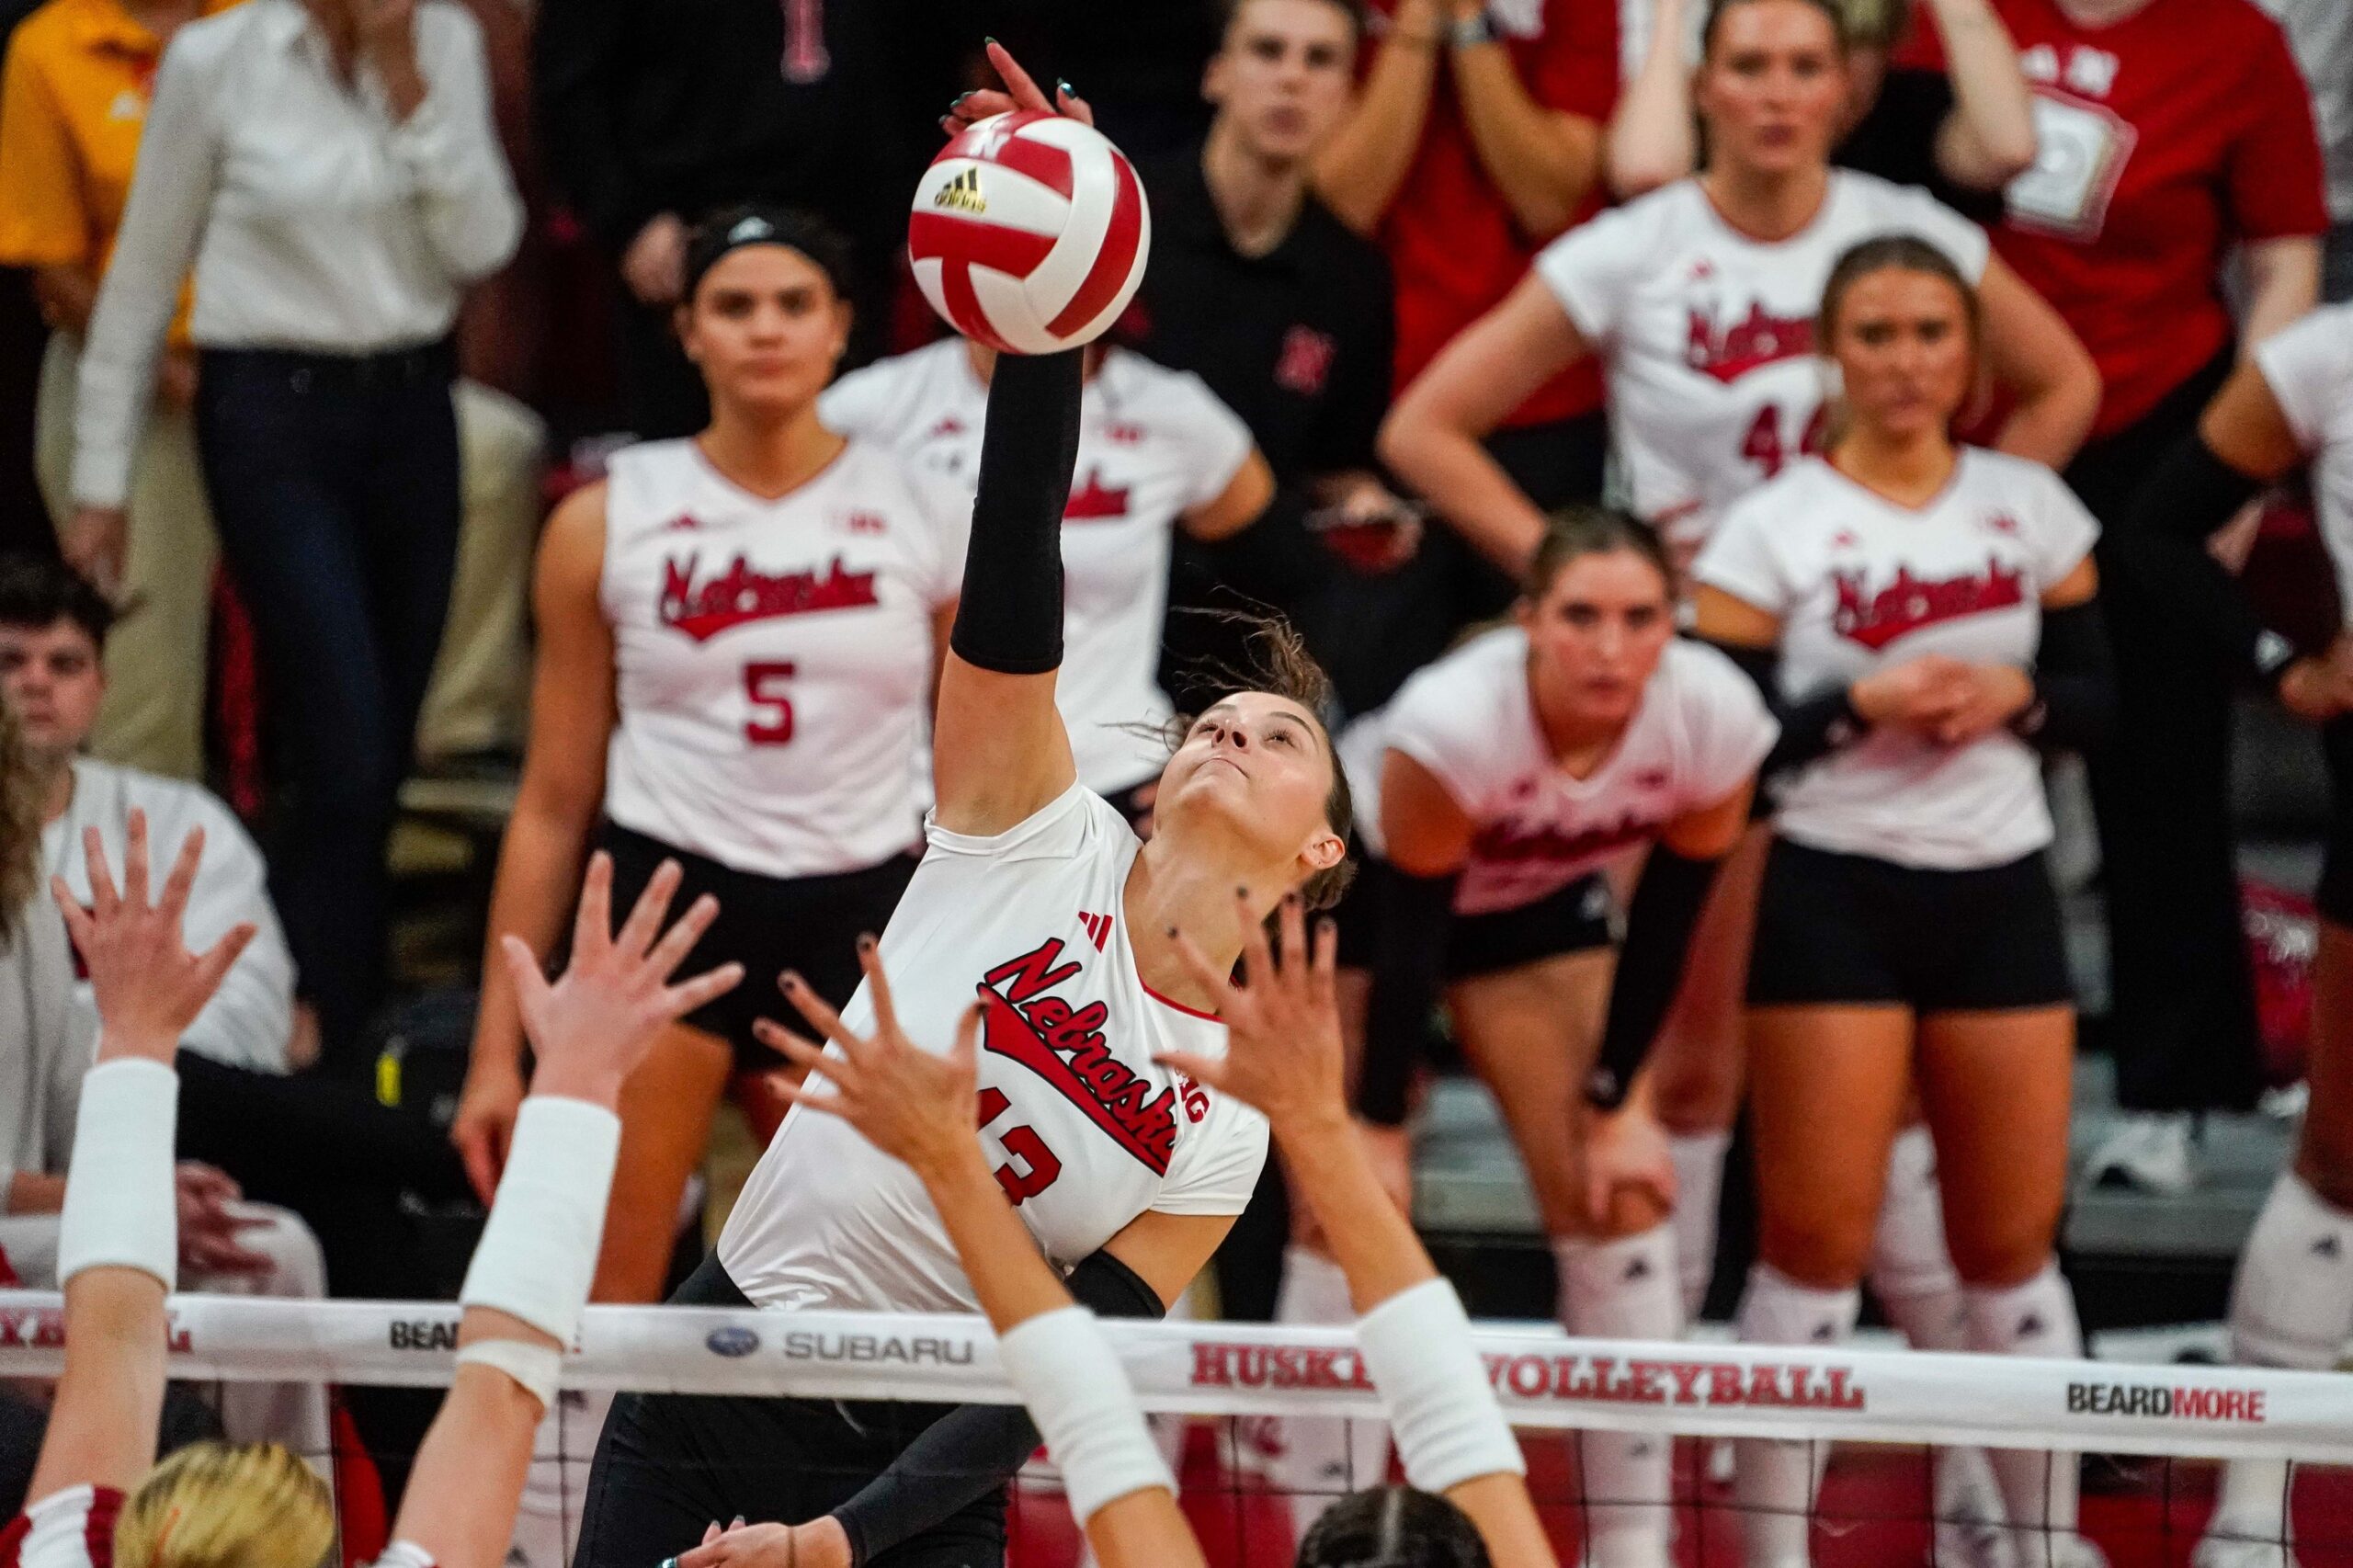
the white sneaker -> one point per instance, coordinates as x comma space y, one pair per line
2222, 1549
2148, 1153
2286, 1103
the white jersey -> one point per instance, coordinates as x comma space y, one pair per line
2309, 368
1085, 1129
1154, 444
1708, 334
1859, 583
774, 658
1469, 719
69, 1529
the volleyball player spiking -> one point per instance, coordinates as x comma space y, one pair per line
2288, 406
1922, 617
1492, 789
98, 1498
1698, 299
1036, 891
1467, 1504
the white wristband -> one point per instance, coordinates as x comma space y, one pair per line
1416, 1348
539, 1251
534, 1369
1078, 1394
121, 1208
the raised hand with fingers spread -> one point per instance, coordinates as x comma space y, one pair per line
595, 1022
1021, 92
148, 986
1282, 1023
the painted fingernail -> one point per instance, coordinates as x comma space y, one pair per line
865, 942
1240, 890
1172, 933
792, 981
1062, 86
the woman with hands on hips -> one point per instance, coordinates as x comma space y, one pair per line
1285, 1057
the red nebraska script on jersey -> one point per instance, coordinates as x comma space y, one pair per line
1909, 602
743, 593
1064, 1045
1092, 500
1729, 351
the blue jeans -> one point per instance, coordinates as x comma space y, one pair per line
335, 485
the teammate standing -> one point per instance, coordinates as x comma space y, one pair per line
1156, 452
1035, 892
737, 637
2289, 406
1922, 617
1492, 786
1700, 300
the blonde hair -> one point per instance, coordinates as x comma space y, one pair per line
227, 1505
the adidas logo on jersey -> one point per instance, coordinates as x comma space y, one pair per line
743, 593
1909, 602
962, 194
1098, 929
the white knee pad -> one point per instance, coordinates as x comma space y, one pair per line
1775, 1480
2039, 1489
2291, 1304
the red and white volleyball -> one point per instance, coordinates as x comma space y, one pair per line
1030, 233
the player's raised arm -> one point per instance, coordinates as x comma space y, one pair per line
118, 1243
918, 1108
529, 1276
999, 751
1285, 1057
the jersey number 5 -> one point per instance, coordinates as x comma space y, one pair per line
1027, 1148
771, 721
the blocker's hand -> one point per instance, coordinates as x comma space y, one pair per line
148, 986
593, 1026
914, 1106
1020, 92
1282, 1023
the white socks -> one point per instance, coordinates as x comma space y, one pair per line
1626, 1289
1775, 1481
2291, 1306
1698, 1159
1911, 1275
1323, 1458
2038, 1487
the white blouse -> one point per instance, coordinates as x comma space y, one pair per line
315, 220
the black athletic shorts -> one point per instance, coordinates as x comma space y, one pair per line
670, 1464
2336, 896
1577, 919
1833, 928
766, 924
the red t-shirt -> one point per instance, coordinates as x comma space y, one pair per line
1453, 244
2167, 137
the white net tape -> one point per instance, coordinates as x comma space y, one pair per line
1543, 1379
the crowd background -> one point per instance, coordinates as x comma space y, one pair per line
275, 630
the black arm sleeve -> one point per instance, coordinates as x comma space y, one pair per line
1666, 904
1408, 968
975, 1447
1811, 727
1010, 618
2075, 682
2159, 553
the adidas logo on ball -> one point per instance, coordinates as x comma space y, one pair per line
1053, 254
963, 193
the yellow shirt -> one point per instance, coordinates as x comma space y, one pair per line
72, 102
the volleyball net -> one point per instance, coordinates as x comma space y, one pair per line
2149, 1438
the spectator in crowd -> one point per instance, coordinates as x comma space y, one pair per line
73, 103
331, 168
1257, 289
1476, 137
2321, 33
53, 674
2171, 135
652, 116
1962, 133
47, 1037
